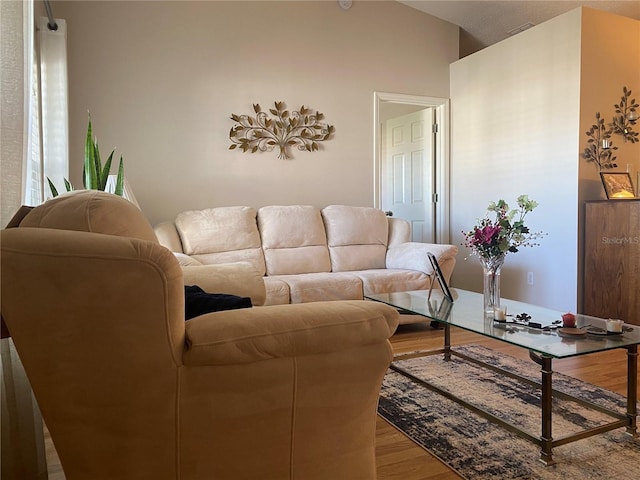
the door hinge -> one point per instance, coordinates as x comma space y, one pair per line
434, 198
434, 128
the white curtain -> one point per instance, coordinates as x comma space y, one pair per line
16, 34
34, 136
54, 111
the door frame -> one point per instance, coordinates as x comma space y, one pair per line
441, 144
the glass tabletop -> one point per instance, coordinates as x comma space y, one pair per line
466, 312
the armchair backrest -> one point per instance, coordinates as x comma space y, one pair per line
98, 321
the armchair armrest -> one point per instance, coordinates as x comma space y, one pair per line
413, 256
252, 335
239, 278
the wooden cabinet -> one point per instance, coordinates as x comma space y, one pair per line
612, 260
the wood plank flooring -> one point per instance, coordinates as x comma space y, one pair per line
397, 457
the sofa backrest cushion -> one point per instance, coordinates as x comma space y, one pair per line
221, 235
293, 240
399, 231
357, 237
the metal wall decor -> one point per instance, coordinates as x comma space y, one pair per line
626, 117
302, 128
599, 147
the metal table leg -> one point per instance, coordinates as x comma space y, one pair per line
632, 389
546, 438
447, 342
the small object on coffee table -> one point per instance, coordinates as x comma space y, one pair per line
569, 320
575, 332
614, 326
500, 313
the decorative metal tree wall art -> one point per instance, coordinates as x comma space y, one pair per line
301, 128
625, 117
599, 147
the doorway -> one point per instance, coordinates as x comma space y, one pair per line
411, 162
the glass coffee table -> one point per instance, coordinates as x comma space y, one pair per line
534, 331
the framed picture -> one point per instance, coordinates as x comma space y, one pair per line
617, 185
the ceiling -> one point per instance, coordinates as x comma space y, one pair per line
483, 23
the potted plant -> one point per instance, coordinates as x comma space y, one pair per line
94, 174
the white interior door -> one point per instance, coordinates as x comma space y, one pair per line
408, 168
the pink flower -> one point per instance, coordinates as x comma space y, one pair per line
486, 235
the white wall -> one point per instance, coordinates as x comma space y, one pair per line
162, 78
515, 110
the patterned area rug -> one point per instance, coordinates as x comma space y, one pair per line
477, 449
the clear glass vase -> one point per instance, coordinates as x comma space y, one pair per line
491, 283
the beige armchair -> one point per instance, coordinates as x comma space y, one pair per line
129, 390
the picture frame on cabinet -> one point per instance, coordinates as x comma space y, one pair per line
618, 185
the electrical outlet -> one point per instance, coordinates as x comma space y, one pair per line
529, 278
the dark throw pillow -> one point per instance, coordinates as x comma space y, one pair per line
198, 302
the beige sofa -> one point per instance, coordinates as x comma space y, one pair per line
307, 254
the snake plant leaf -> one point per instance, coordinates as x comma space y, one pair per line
104, 174
120, 180
67, 185
54, 190
98, 162
89, 174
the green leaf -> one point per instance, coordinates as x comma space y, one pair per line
67, 185
52, 187
120, 180
102, 179
89, 174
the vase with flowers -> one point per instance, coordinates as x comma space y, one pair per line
491, 239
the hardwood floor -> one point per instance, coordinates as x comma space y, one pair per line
397, 457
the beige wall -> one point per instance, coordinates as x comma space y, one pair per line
610, 59
162, 78
519, 112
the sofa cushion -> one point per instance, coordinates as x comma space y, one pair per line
293, 240
221, 235
319, 287
399, 231
241, 279
357, 237
386, 280
277, 291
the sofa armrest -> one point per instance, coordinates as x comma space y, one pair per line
168, 236
413, 256
239, 278
277, 331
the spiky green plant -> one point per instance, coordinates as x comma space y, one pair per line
94, 174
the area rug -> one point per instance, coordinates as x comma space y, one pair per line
478, 449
